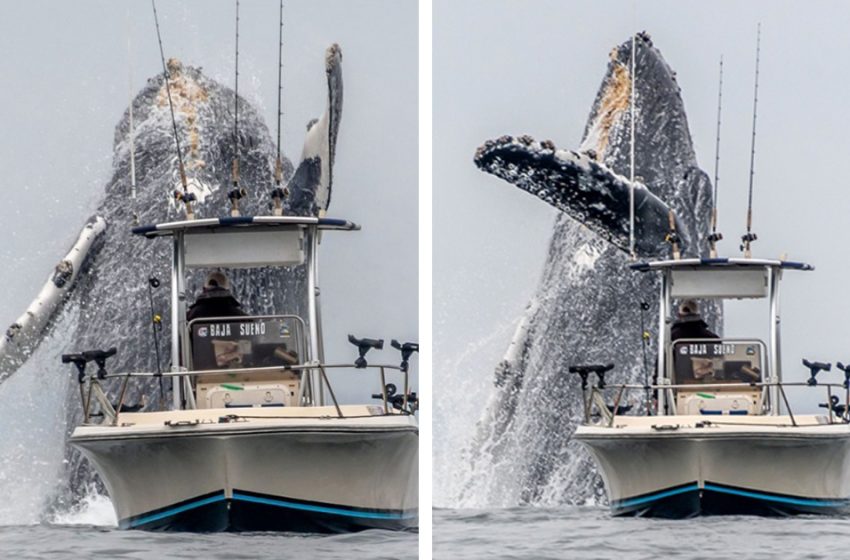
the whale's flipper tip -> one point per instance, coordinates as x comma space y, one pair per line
312, 181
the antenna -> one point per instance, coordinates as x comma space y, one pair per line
237, 193
278, 193
749, 237
186, 197
632, 158
714, 237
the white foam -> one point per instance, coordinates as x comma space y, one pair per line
95, 509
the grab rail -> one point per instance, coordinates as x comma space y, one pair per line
593, 396
408, 404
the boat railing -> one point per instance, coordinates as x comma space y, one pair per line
92, 389
595, 404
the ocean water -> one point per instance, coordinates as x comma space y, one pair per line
91, 533
87, 541
590, 533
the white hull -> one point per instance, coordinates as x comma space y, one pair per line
281, 469
680, 466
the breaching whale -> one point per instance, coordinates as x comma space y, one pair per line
587, 301
109, 283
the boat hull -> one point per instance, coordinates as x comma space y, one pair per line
758, 470
324, 475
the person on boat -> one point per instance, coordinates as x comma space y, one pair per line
215, 300
689, 323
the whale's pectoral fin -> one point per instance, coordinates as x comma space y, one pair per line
25, 334
310, 186
582, 188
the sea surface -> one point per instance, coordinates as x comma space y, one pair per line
590, 533
66, 541
93, 534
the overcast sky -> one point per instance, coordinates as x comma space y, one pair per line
65, 86
511, 67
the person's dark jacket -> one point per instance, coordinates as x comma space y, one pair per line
690, 327
215, 302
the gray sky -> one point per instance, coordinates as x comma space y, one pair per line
511, 67
65, 86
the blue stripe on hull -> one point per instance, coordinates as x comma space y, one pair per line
257, 512
788, 500
690, 500
365, 514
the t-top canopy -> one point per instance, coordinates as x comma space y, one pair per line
242, 223
722, 262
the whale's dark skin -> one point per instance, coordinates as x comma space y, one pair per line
112, 292
587, 305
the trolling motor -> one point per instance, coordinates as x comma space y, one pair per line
407, 349
235, 196
364, 345
814, 369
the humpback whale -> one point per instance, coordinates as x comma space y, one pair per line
107, 289
587, 300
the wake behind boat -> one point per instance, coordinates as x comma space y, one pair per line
250, 443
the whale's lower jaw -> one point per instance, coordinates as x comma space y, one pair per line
582, 188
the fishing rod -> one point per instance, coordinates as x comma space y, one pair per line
237, 192
278, 193
185, 197
714, 237
749, 237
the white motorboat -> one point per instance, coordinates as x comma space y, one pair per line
250, 441
716, 434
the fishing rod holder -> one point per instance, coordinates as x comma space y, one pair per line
595, 396
407, 349
846, 370
82, 359
598, 370
99, 357
814, 369
363, 346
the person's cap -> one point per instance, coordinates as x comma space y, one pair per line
216, 280
689, 307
